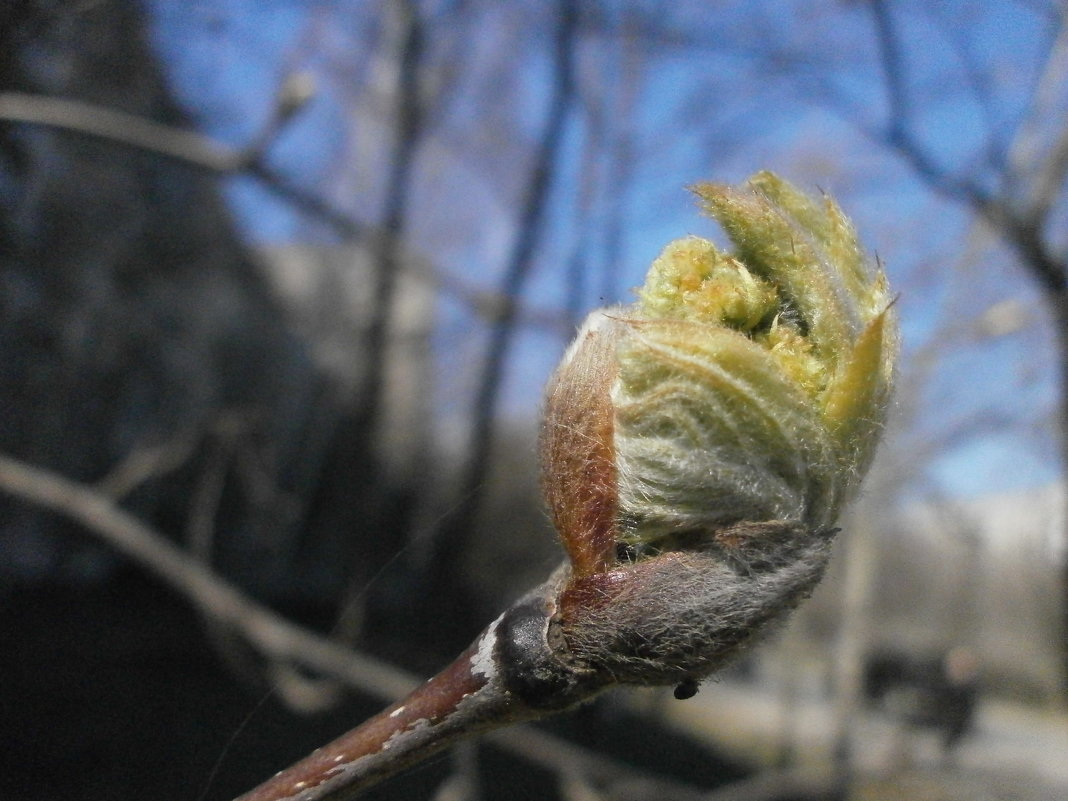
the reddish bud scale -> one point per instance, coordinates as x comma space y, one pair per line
578, 455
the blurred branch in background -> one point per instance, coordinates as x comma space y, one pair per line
129, 129
799, 783
1030, 183
269, 633
187, 146
353, 492
191, 147
145, 463
450, 544
1018, 212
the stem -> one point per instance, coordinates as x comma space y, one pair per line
510, 674
285, 643
473, 695
460, 700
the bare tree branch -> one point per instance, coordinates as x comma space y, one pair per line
388, 259
1019, 211
202, 151
268, 632
349, 495
1050, 179
898, 132
1022, 231
166, 140
118, 126
463, 783
145, 463
1047, 178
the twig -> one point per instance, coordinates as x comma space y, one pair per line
1048, 177
562, 756
166, 140
305, 694
278, 638
345, 505
118, 126
145, 463
212, 595
202, 151
574, 787
463, 783
1022, 230
199, 535
898, 132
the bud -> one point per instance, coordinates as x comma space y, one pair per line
697, 447
699, 444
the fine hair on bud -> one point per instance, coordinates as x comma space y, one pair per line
683, 614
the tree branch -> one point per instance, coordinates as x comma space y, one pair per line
1022, 231
772, 786
1047, 178
1019, 213
166, 140
268, 632
118, 126
898, 132
285, 642
206, 153
146, 462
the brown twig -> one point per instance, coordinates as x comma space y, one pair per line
268, 632
459, 701
287, 643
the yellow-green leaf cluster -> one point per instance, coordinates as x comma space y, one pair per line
752, 385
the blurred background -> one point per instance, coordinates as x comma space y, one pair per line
283, 281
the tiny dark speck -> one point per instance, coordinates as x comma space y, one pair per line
686, 689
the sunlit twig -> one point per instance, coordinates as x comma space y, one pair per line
283, 641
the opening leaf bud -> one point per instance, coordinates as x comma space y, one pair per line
699, 444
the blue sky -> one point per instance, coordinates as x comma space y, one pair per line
794, 87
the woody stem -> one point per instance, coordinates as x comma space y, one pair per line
459, 701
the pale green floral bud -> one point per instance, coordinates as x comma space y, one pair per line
741, 387
752, 386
